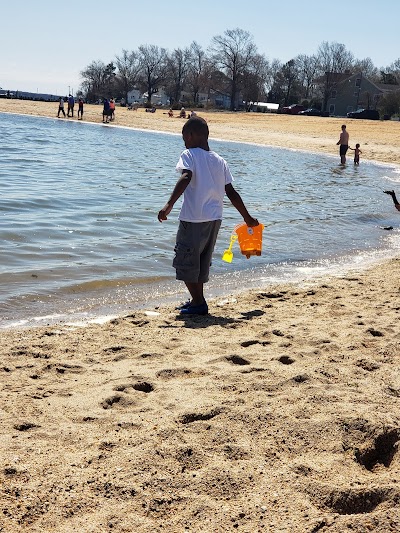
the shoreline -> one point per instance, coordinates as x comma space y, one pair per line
380, 140
279, 411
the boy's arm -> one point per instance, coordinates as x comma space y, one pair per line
237, 202
179, 189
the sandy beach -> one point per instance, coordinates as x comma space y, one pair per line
277, 412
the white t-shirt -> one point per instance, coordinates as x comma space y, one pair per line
203, 197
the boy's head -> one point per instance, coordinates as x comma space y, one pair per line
195, 133
357, 145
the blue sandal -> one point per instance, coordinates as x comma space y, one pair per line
184, 305
195, 309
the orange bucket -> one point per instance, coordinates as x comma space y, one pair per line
250, 239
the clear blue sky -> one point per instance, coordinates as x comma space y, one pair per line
45, 44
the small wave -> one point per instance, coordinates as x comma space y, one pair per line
108, 284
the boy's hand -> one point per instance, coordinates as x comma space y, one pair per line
251, 222
162, 214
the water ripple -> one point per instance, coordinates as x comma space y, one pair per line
78, 206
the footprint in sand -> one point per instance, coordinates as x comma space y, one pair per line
142, 386
172, 373
109, 402
25, 426
373, 446
286, 360
374, 332
189, 418
237, 360
350, 501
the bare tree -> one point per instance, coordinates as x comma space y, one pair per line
274, 67
152, 60
176, 72
98, 80
199, 71
255, 80
286, 88
389, 104
333, 59
366, 68
307, 67
391, 74
128, 69
232, 53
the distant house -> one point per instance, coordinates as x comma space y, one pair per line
159, 98
219, 99
202, 97
134, 96
355, 91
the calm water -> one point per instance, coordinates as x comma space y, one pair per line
80, 238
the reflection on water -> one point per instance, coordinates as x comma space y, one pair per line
78, 205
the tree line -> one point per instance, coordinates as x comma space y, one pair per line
233, 66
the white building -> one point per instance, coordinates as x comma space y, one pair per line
159, 98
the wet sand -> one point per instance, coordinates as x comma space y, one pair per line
280, 411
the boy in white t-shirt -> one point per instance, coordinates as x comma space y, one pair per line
204, 181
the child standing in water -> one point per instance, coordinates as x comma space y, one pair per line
204, 181
357, 153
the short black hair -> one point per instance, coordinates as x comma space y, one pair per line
196, 125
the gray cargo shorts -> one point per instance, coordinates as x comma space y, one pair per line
194, 247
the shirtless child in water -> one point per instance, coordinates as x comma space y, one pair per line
393, 195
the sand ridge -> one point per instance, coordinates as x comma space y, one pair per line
278, 412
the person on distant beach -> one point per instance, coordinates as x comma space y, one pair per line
182, 113
71, 103
393, 195
61, 107
357, 153
205, 179
170, 113
112, 109
344, 144
106, 110
80, 108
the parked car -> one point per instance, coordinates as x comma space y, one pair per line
293, 109
372, 114
311, 112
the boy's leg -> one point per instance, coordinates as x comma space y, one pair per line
196, 291
193, 251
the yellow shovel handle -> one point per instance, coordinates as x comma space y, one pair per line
233, 239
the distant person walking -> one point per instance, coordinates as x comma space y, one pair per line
357, 153
344, 144
80, 109
395, 201
61, 107
112, 109
71, 103
106, 110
